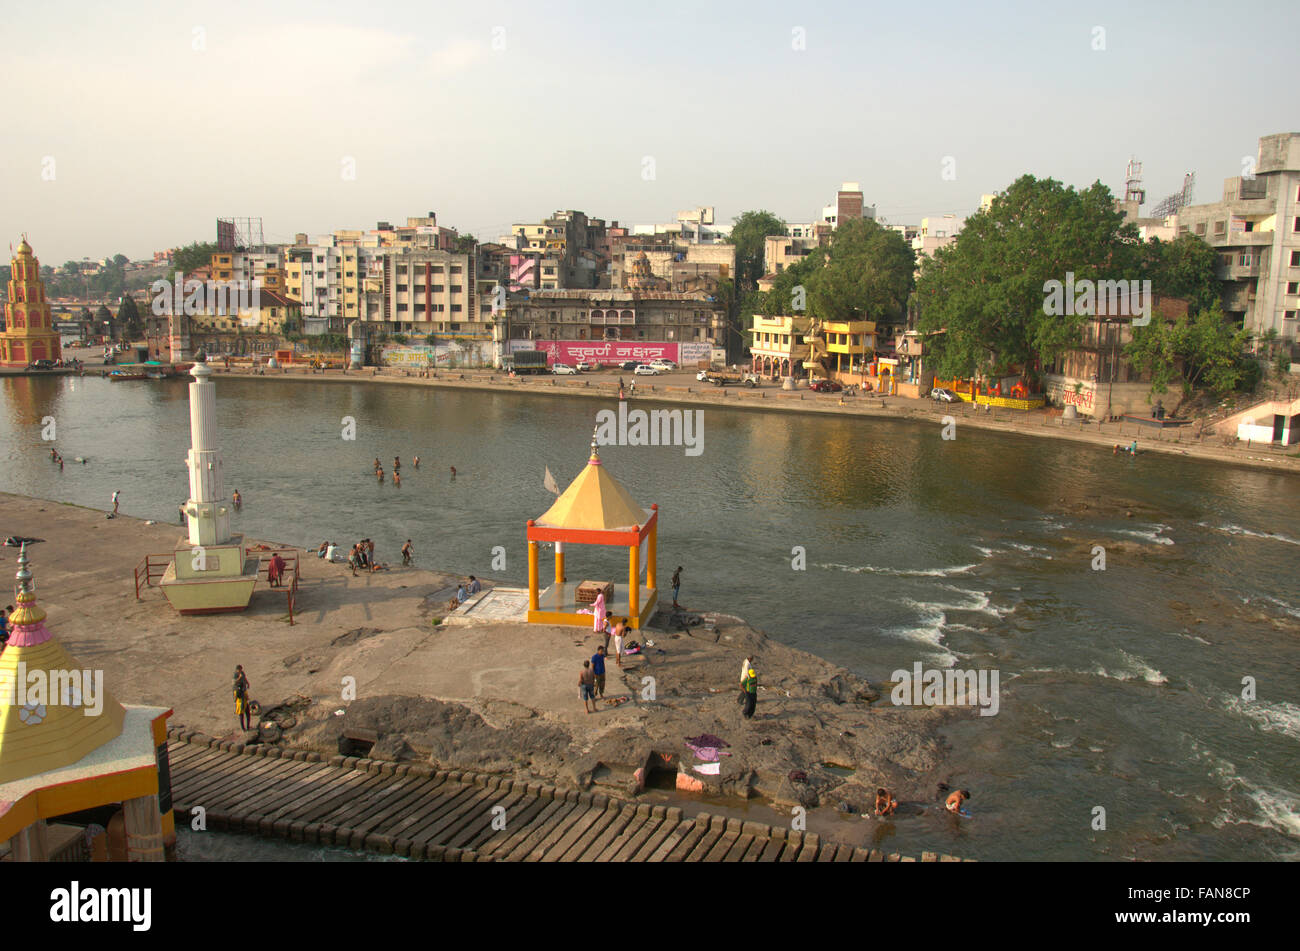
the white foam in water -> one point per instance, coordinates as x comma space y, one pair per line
1149, 535
1278, 809
899, 572
1293, 611
1239, 530
1279, 717
1190, 637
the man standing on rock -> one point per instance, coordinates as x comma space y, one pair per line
751, 692
117, 494
587, 687
677, 584
241, 699
598, 668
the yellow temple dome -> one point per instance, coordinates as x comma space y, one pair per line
53, 712
594, 501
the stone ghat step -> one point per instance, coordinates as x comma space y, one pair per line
418, 811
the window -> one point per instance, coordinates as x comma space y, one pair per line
1295, 225
1293, 287
1295, 258
1244, 260
1289, 315
1200, 227
1220, 228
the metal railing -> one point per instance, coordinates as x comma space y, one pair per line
151, 567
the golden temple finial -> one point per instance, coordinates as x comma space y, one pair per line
595, 447
27, 612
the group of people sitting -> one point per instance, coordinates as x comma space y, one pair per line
466, 588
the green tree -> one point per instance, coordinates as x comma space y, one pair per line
791, 289
988, 289
1184, 267
465, 244
194, 255
1204, 351
868, 275
747, 234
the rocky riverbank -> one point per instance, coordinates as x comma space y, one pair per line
490, 696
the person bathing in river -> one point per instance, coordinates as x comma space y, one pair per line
237, 499
417, 462
407, 552
955, 801
885, 803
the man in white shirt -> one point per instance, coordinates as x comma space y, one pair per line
331, 552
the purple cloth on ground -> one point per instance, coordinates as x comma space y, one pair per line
708, 739
708, 754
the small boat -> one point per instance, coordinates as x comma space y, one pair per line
118, 375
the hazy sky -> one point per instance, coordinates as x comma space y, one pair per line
155, 120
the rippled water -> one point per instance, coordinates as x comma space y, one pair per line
1119, 688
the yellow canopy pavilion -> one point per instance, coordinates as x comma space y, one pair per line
67, 745
595, 510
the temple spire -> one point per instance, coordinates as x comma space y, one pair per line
28, 611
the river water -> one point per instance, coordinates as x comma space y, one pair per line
1119, 688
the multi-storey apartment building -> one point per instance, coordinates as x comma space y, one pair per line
428, 292
649, 316
1255, 229
670, 259
569, 246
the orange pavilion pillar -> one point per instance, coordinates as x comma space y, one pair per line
559, 562
652, 556
633, 585
532, 572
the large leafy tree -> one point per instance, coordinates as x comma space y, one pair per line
987, 289
747, 234
1201, 352
196, 254
1182, 268
868, 275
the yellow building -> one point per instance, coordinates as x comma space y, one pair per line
67, 745
840, 349
778, 348
29, 334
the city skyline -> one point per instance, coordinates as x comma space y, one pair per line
140, 127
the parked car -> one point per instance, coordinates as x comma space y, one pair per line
941, 395
41, 365
825, 386
583, 366
645, 369
663, 363
628, 365
563, 369
702, 376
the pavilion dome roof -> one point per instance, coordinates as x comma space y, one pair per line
594, 501
52, 729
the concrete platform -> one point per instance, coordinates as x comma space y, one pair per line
492, 604
559, 604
